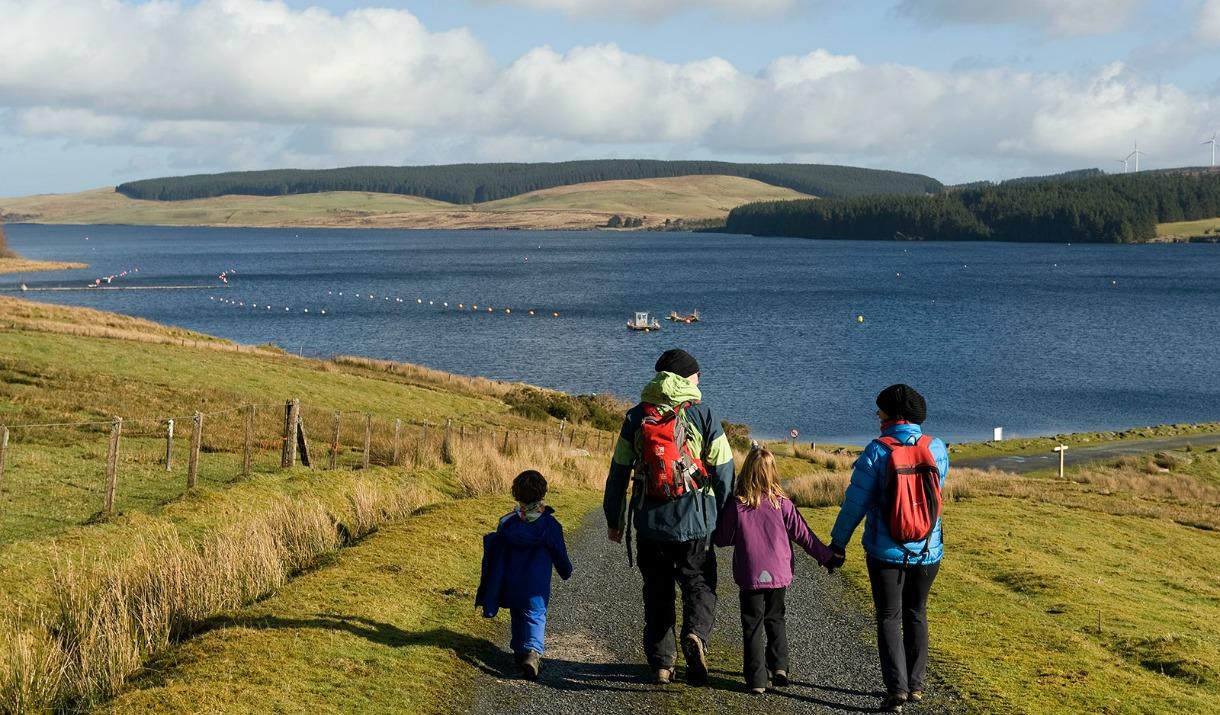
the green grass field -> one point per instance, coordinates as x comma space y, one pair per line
1204, 227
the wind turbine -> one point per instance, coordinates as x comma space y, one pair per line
1137, 154
1212, 141
1124, 163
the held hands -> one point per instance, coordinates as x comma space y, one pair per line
838, 557
615, 535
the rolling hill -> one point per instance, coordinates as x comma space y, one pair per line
580, 206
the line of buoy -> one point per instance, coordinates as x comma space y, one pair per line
472, 307
264, 306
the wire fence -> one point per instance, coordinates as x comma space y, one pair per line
54, 474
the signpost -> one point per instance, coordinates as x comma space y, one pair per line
1061, 449
793, 434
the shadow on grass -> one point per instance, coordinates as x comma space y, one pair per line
477, 652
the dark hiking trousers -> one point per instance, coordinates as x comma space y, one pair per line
692, 566
764, 635
900, 597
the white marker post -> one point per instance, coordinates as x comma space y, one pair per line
1061, 449
997, 434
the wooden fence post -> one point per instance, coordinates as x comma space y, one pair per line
292, 415
301, 440
397, 442
3, 451
247, 447
462, 433
112, 464
506, 434
169, 445
192, 466
334, 440
368, 438
447, 443
562, 425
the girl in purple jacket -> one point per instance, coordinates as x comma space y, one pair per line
761, 523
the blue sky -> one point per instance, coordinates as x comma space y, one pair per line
94, 93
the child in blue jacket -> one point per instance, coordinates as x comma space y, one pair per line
517, 561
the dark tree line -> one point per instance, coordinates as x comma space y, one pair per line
476, 183
1123, 208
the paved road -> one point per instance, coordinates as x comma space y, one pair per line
1087, 453
594, 663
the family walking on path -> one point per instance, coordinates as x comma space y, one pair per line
684, 501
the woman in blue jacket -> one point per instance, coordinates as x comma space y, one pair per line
901, 574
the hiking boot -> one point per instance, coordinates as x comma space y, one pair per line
893, 702
663, 676
779, 679
531, 663
696, 659
757, 691
916, 696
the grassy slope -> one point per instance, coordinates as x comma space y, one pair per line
583, 205
1032, 562
364, 634
1203, 227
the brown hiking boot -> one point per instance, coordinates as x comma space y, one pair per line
531, 664
916, 696
663, 676
696, 659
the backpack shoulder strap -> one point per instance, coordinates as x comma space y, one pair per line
924, 441
890, 443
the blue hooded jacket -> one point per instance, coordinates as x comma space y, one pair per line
517, 561
863, 498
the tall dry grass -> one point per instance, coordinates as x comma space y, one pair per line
485, 467
104, 622
418, 374
826, 489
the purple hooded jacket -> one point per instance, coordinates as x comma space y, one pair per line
762, 553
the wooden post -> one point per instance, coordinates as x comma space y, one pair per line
302, 441
247, 448
112, 464
1061, 449
506, 434
368, 438
192, 466
462, 433
334, 440
169, 445
447, 443
292, 415
397, 441
562, 425
3, 451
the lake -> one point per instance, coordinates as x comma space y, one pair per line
1035, 338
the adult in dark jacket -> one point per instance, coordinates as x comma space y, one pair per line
673, 536
901, 573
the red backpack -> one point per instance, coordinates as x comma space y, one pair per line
911, 495
667, 466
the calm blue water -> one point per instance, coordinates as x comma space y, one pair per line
1034, 338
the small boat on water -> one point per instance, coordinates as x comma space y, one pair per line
688, 318
644, 323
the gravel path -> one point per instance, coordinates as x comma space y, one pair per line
594, 663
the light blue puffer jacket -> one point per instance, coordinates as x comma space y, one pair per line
863, 499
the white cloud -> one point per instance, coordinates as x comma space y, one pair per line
250, 83
653, 10
1208, 25
1067, 17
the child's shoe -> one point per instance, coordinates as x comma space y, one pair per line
696, 660
531, 663
663, 676
779, 679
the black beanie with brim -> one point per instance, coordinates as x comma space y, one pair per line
677, 361
903, 402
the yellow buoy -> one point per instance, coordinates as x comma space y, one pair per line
554, 315
859, 318
508, 311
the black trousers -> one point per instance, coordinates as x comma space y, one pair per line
764, 635
900, 597
691, 565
